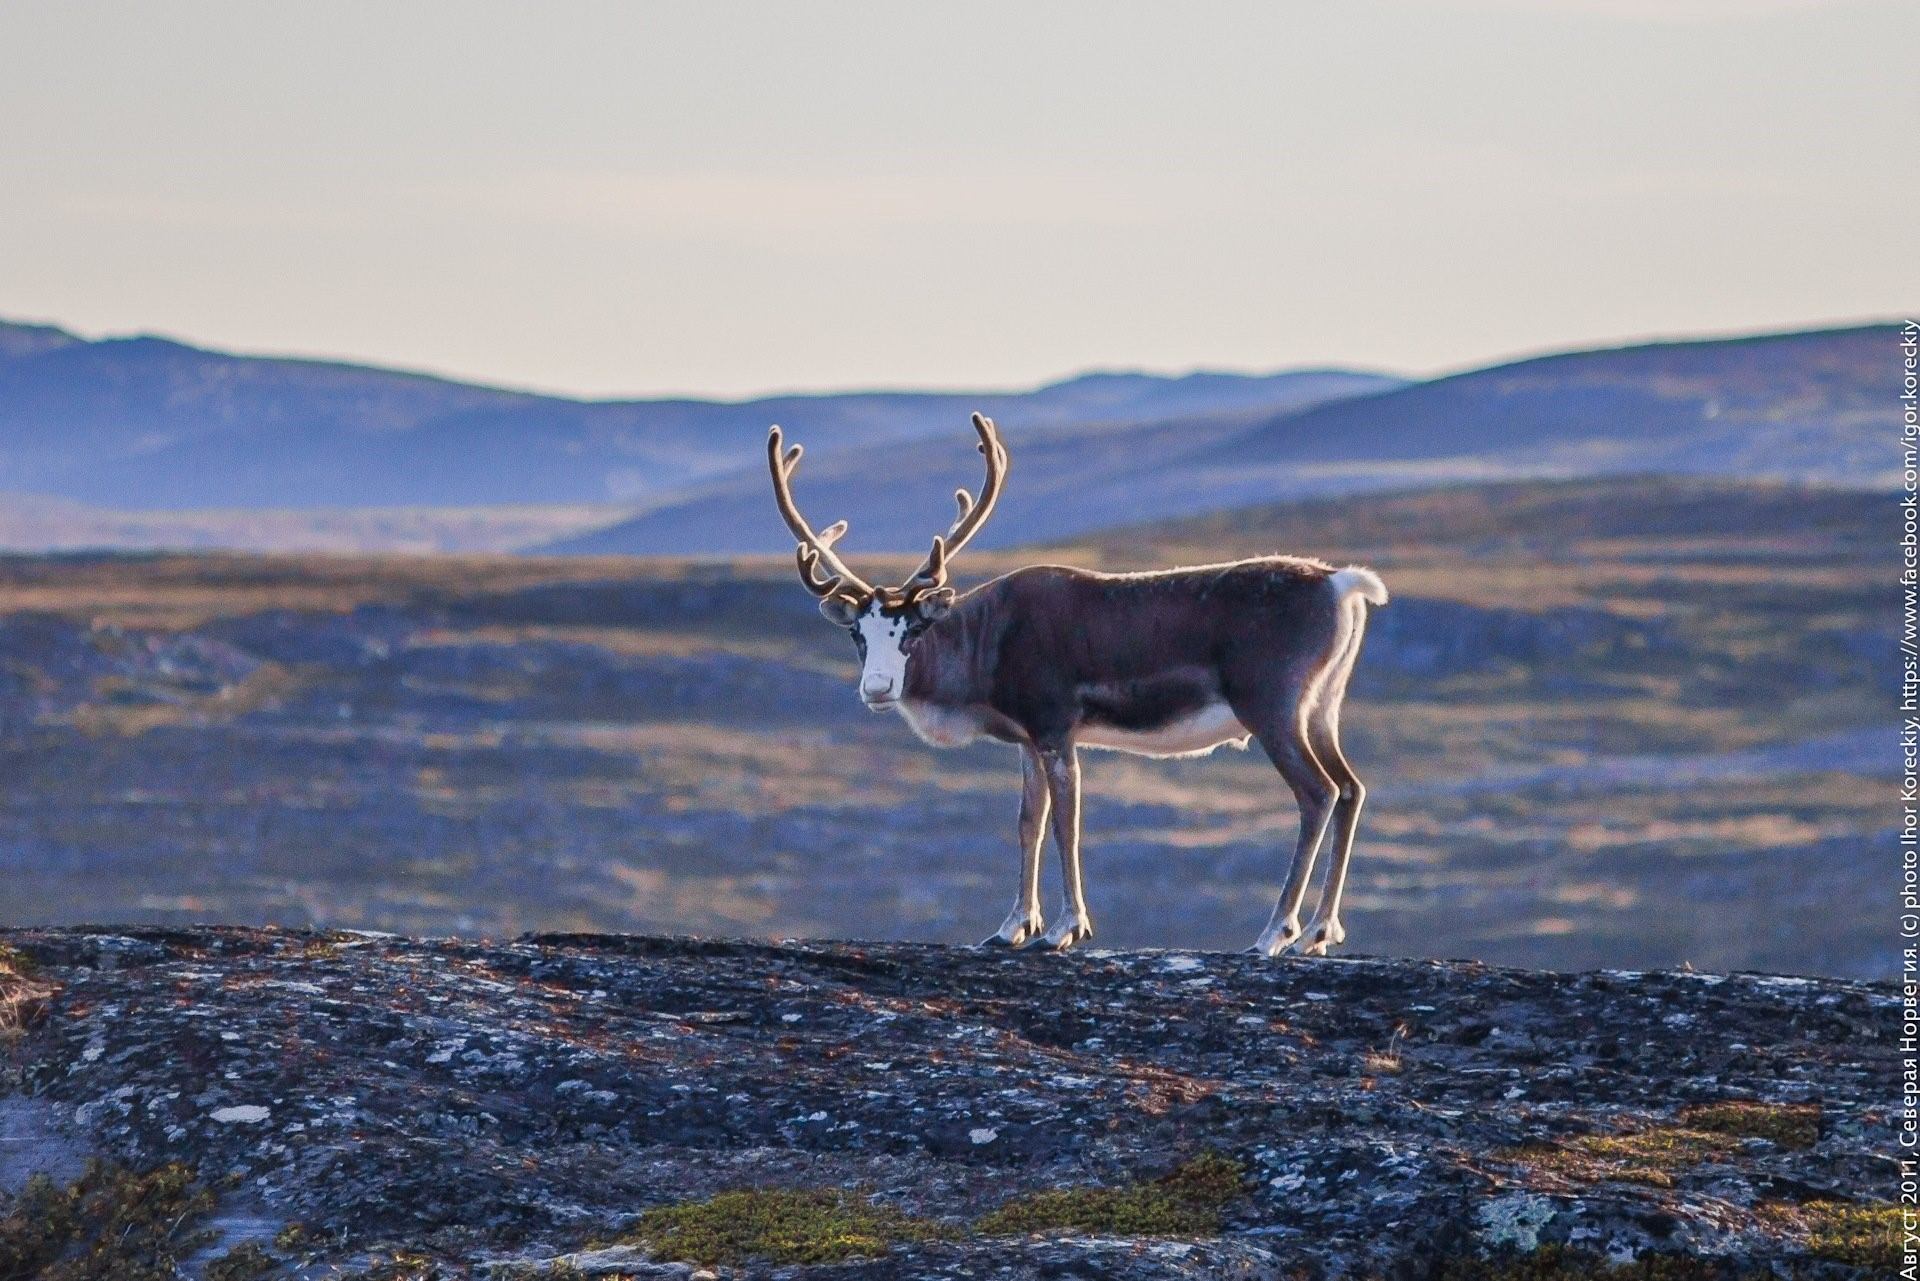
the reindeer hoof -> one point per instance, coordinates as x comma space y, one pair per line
1322, 935
1015, 933
1063, 936
1274, 941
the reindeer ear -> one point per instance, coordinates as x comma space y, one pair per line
933, 606
838, 609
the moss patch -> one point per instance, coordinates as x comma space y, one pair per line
778, 1226
243, 1263
23, 994
1558, 1263
400, 1265
1652, 1156
1856, 1236
296, 1237
1791, 1125
825, 1225
1865, 1236
1186, 1203
1859, 1235
107, 1225
1656, 1154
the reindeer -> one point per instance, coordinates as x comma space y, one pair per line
1170, 663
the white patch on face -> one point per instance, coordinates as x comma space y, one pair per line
883, 680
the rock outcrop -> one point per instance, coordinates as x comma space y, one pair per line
571, 1105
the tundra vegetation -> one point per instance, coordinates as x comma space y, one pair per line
1629, 722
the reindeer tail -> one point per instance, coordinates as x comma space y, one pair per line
1354, 578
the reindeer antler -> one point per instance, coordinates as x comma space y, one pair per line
933, 571
815, 552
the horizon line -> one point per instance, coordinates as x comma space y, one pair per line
1624, 343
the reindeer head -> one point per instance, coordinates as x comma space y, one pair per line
886, 622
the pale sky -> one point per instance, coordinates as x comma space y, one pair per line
731, 198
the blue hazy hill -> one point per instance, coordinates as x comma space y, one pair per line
149, 423
1816, 406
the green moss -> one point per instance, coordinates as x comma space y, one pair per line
15, 964
1186, 1203
1558, 1263
24, 995
778, 1226
824, 1225
1865, 1236
1860, 1235
243, 1263
1656, 1154
293, 1237
108, 1225
1652, 1156
1791, 1125
401, 1265
321, 949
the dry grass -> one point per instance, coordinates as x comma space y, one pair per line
1494, 828
110, 1224
1187, 1202
777, 1225
1867, 1236
628, 642
1659, 1154
1654, 1156
264, 687
24, 996
177, 591
1790, 1125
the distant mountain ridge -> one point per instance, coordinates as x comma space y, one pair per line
356, 457
1807, 404
1814, 406
149, 423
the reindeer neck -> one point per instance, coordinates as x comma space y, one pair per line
952, 665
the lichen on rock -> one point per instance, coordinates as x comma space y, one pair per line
350, 1103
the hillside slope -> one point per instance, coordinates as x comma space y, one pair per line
146, 423
898, 497
938, 1113
1814, 406
1546, 520
1809, 406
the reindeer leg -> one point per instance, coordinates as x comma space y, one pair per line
1061, 766
1284, 736
1024, 921
1323, 732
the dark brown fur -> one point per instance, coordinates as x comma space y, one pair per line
1050, 648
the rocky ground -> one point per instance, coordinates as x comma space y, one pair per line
572, 1105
